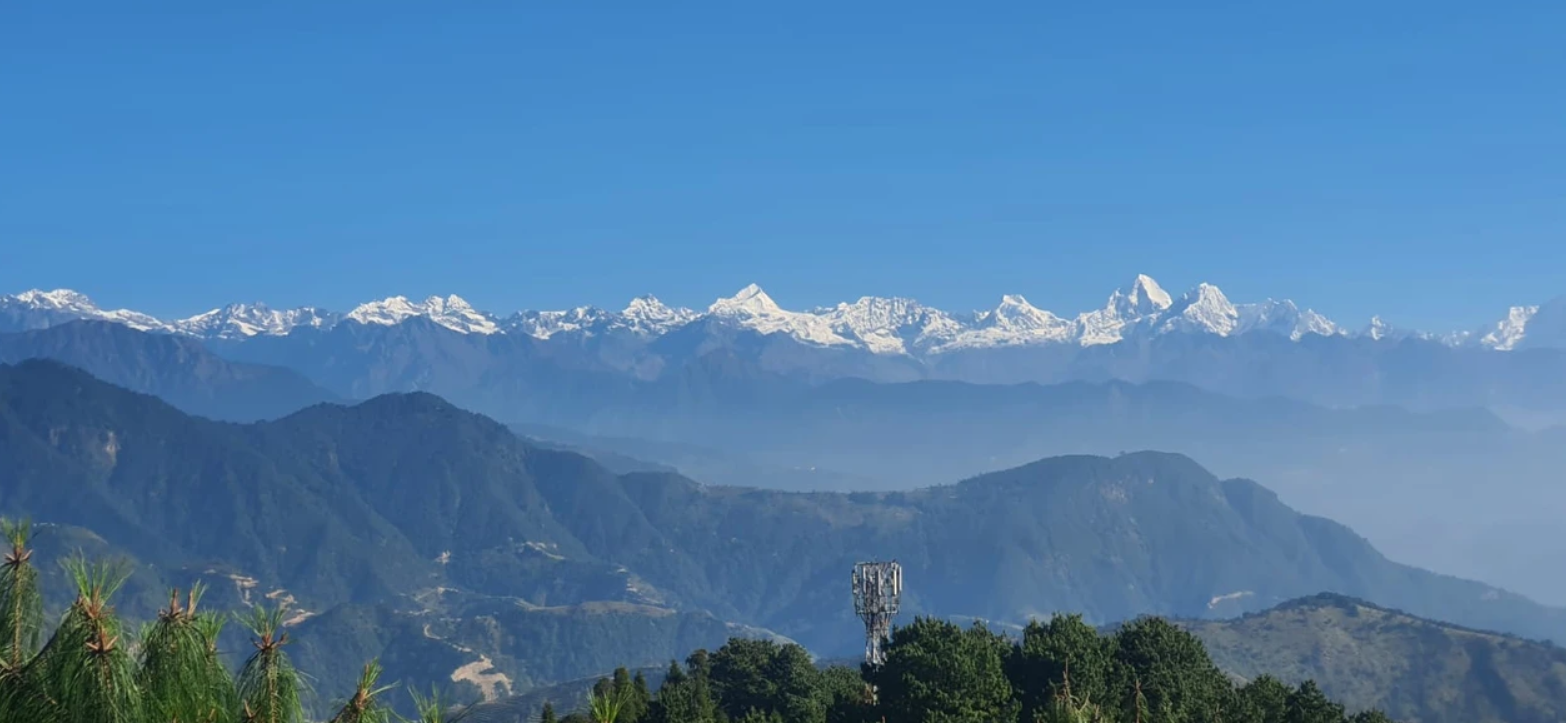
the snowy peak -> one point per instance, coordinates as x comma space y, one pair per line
57, 299
750, 301
1201, 310
37, 308
1144, 297
1283, 317
545, 324
239, 321
1141, 301
879, 325
752, 309
646, 314
1378, 329
452, 312
1016, 314
891, 325
1014, 322
1507, 333
387, 311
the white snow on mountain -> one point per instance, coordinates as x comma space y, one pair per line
1014, 322
891, 325
752, 309
1285, 318
1379, 329
451, 312
881, 325
1143, 300
545, 324
46, 308
1507, 333
644, 316
1201, 310
647, 315
239, 321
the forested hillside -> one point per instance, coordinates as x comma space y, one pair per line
1062, 671
407, 514
1415, 669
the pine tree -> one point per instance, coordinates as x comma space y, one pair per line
640, 704
85, 673
686, 697
21, 617
21, 601
1309, 705
548, 715
270, 689
433, 708
180, 674
365, 705
607, 701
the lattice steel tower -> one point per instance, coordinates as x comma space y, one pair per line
878, 589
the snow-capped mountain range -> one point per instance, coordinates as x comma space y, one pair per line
875, 324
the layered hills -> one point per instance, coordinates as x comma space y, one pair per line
407, 514
728, 416
178, 369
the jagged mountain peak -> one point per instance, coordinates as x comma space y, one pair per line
1015, 311
1510, 331
1283, 317
647, 315
1204, 309
749, 300
891, 324
1143, 297
56, 298
753, 309
1380, 329
646, 304
237, 321
46, 308
878, 324
452, 312
1127, 308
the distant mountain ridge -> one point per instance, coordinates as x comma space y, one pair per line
879, 325
178, 369
781, 414
405, 494
1370, 656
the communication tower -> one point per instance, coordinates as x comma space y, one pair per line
878, 589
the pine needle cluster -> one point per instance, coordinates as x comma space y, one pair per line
92, 670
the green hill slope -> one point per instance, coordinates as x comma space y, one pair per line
1417, 670
379, 504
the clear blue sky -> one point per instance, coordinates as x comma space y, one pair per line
1406, 158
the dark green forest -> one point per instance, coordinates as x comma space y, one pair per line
1062, 671
95, 667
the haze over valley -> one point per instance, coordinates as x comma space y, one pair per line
743, 363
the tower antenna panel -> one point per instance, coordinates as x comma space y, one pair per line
878, 593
